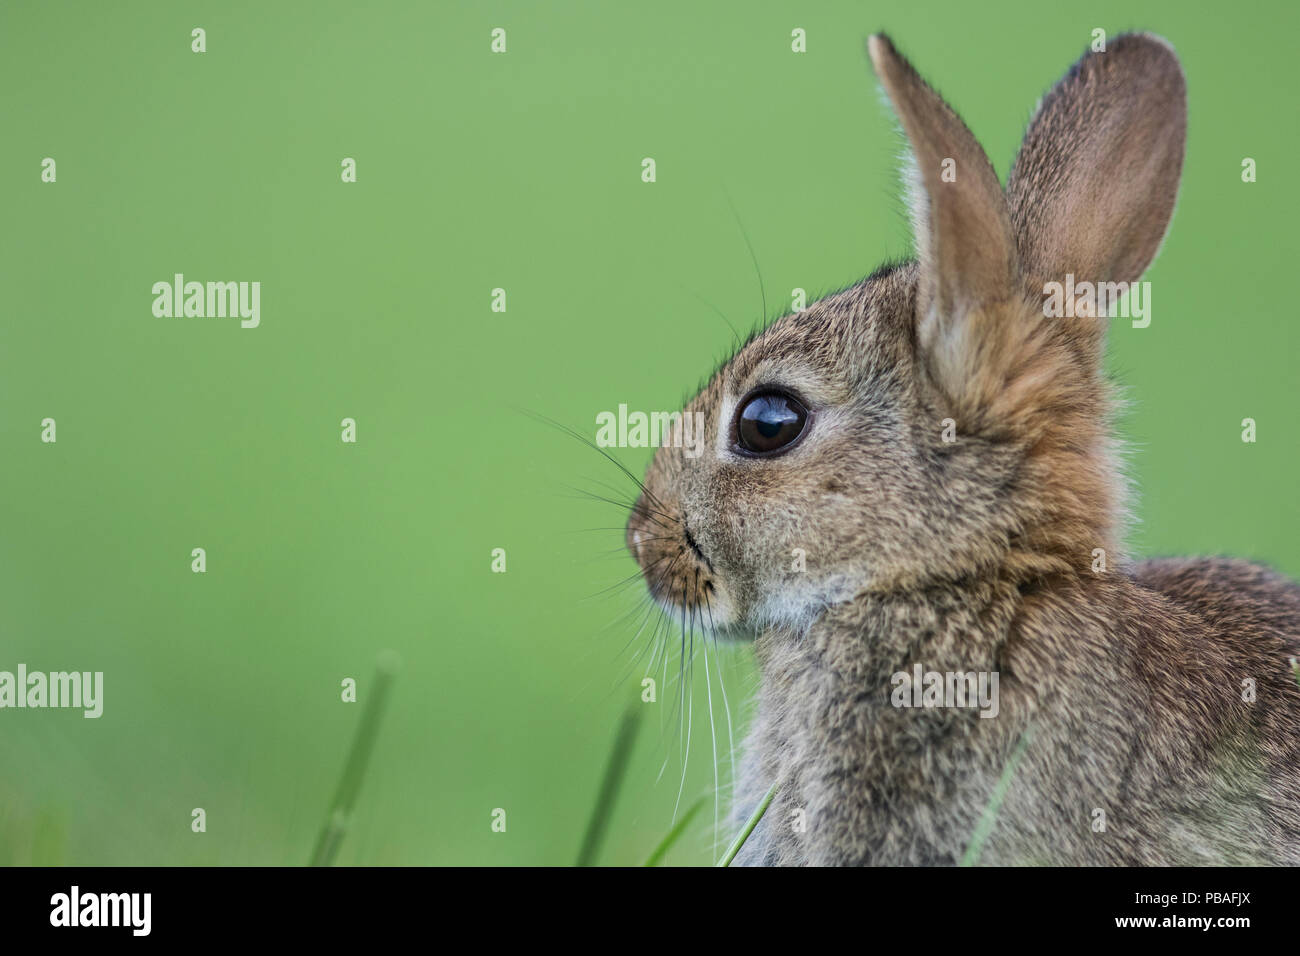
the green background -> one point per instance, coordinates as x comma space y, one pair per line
478, 171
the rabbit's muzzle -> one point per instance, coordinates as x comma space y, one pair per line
677, 571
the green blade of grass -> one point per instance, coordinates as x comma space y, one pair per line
985, 825
615, 770
752, 822
678, 829
354, 771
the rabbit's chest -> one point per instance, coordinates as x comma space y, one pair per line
868, 778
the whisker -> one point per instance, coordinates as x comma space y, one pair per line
614, 489
662, 577
722, 685
619, 528
752, 256
713, 733
626, 581
574, 433
690, 710
626, 507
622, 551
647, 607
681, 702
737, 341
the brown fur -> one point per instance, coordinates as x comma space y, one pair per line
978, 555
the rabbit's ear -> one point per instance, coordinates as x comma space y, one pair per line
1093, 188
962, 223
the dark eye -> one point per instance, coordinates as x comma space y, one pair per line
770, 422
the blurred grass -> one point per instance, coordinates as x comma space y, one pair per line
989, 817
672, 836
615, 770
748, 828
354, 770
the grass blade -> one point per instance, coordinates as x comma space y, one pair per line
354, 771
678, 829
615, 770
985, 825
741, 837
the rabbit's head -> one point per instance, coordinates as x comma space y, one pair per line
933, 423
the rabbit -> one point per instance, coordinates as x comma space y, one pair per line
918, 472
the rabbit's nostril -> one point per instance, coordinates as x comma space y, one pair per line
690, 539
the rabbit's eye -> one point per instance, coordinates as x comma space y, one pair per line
769, 423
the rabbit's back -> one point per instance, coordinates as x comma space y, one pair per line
1241, 633
1181, 719
1230, 595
